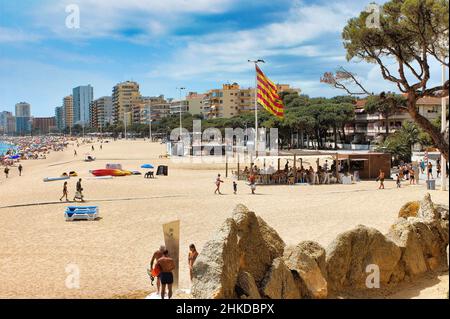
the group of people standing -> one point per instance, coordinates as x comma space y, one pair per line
7, 170
162, 267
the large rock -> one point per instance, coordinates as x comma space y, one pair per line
427, 210
351, 252
308, 260
433, 238
247, 285
403, 234
217, 267
279, 283
258, 244
410, 209
442, 211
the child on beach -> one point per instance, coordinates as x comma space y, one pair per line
6, 171
20, 169
399, 183
381, 179
234, 187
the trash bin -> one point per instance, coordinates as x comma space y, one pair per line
431, 184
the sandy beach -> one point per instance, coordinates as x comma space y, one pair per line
37, 244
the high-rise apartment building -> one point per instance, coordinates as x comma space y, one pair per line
43, 125
82, 98
68, 111
59, 118
101, 112
125, 98
4, 117
23, 118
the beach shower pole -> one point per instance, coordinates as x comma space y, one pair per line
181, 122
150, 122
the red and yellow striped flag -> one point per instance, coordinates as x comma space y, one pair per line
268, 96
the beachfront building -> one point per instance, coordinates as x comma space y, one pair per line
82, 98
233, 100
101, 111
195, 103
367, 127
43, 125
6, 118
23, 118
177, 106
146, 109
68, 111
59, 118
125, 97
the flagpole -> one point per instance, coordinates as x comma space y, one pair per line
256, 103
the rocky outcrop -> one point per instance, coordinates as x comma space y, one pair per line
217, 267
349, 255
246, 285
258, 244
308, 261
427, 210
410, 209
279, 282
247, 259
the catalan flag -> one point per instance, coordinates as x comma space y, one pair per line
267, 95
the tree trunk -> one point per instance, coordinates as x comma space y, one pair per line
335, 136
302, 144
386, 116
434, 132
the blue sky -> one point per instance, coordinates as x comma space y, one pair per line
198, 44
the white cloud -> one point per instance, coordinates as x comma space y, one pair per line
10, 35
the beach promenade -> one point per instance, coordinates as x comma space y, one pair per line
37, 244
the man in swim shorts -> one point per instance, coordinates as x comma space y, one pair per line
167, 265
156, 256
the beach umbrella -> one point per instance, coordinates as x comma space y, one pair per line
147, 166
15, 157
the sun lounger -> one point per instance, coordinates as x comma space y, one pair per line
81, 213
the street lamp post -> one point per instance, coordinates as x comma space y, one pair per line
181, 122
256, 103
150, 122
125, 124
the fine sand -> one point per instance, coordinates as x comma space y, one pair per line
37, 246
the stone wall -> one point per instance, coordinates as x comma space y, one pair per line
247, 259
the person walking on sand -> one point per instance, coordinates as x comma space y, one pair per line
429, 170
79, 192
234, 187
167, 266
399, 182
193, 254
20, 168
65, 193
381, 179
412, 176
75, 153
218, 182
156, 256
6, 171
252, 182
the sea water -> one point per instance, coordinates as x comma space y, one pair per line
5, 147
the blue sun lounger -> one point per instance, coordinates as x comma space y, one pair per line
81, 213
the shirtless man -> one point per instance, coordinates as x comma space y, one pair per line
218, 182
381, 179
158, 254
167, 265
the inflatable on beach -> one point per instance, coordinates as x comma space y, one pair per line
108, 172
54, 179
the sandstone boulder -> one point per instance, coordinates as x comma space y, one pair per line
403, 234
442, 211
433, 238
308, 261
427, 210
217, 267
279, 283
258, 244
410, 209
351, 252
246, 283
